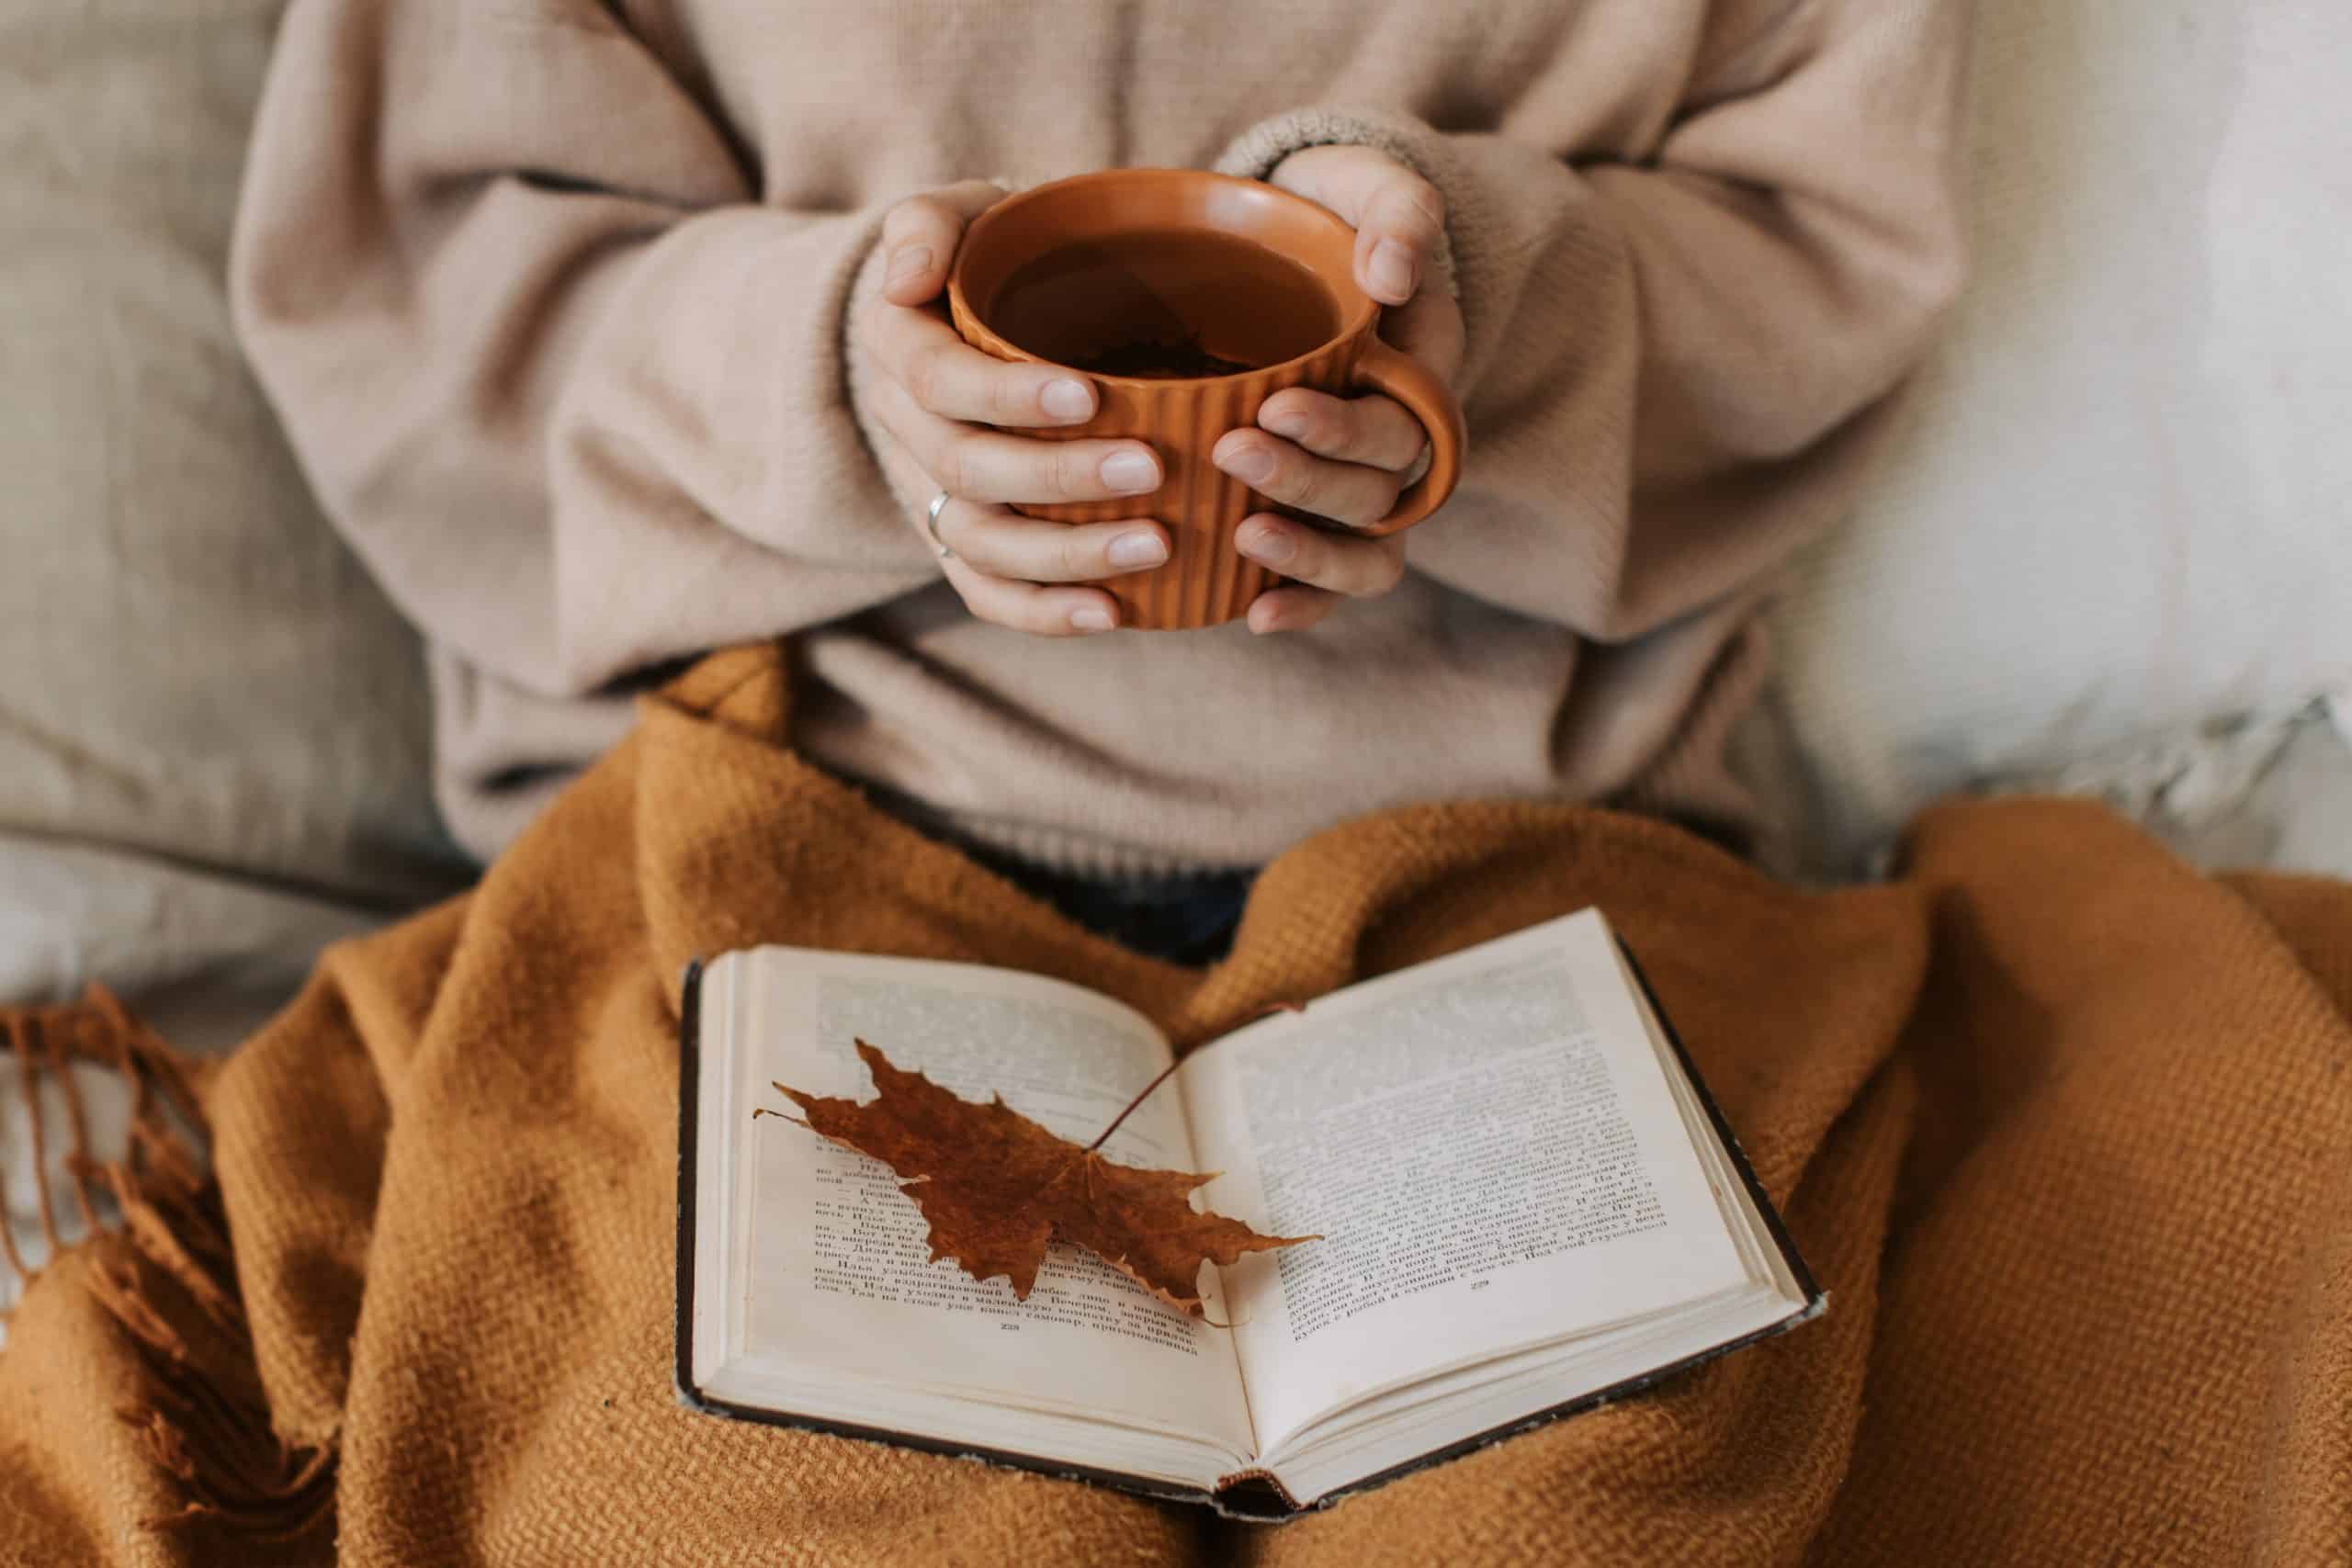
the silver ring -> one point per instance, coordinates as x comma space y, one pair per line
931, 526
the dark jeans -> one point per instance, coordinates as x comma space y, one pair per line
1182, 919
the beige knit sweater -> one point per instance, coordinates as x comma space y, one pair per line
551, 295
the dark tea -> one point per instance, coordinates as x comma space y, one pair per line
1165, 304
1159, 361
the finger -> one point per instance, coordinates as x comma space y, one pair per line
1356, 569
1374, 430
1028, 608
1396, 214
1397, 239
981, 465
1430, 329
1004, 543
954, 380
1291, 608
919, 238
1345, 493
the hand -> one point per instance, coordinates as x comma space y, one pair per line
935, 393
1347, 459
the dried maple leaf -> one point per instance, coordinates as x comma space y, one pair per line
997, 1187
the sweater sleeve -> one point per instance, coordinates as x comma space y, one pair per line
1674, 361
572, 388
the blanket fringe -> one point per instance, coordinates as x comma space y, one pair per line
203, 1418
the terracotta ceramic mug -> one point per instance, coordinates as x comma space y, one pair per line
1188, 298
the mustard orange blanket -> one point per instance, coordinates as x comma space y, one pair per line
2065, 1129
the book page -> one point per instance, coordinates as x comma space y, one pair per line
1491, 1151
838, 1278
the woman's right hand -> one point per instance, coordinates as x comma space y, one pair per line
937, 395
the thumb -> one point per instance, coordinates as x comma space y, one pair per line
920, 236
1398, 215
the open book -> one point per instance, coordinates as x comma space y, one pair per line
1527, 1201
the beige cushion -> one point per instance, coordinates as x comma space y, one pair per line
2122, 506
191, 664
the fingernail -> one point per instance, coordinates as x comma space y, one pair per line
1289, 423
1271, 546
1141, 547
1130, 473
1067, 399
1392, 269
909, 260
1092, 618
1252, 465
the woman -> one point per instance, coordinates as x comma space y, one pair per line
610, 333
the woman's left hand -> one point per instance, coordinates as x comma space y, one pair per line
1346, 458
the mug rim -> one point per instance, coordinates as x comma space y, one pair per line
1358, 314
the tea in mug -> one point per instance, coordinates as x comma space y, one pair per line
1167, 304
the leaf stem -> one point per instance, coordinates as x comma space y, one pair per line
1266, 1011
1130, 1110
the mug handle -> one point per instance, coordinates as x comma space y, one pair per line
1382, 369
